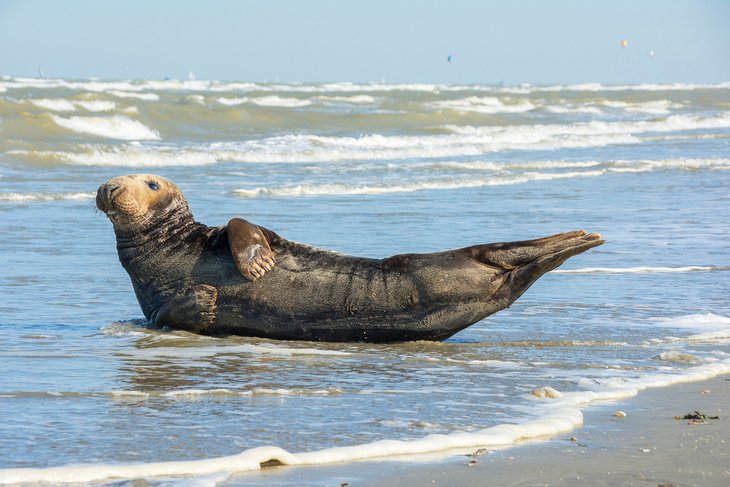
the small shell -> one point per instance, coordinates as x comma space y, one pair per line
620, 414
472, 463
573, 438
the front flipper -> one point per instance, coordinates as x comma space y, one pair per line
250, 249
192, 309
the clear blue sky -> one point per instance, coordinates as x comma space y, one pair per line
557, 41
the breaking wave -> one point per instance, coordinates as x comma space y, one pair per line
115, 127
26, 197
17, 83
345, 189
488, 104
266, 101
62, 105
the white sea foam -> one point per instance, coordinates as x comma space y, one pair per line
133, 94
641, 269
124, 156
97, 105
562, 413
57, 105
62, 105
345, 189
355, 99
198, 393
655, 107
266, 101
668, 124
26, 197
656, 165
464, 141
311, 148
115, 127
487, 104
707, 326
190, 352
232, 101
120, 393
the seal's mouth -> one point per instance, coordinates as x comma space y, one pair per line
105, 199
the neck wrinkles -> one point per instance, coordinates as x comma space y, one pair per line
158, 226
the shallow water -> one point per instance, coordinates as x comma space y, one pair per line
373, 170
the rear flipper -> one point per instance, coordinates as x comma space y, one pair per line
528, 260
510, 255
192, 309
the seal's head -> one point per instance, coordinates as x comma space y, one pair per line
133, 202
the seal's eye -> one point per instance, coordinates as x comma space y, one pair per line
153, 186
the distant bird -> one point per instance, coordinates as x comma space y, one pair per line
449, 58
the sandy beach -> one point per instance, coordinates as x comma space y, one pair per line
647, 447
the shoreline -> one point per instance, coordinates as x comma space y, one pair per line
648, 447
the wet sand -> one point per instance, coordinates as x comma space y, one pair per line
648, 447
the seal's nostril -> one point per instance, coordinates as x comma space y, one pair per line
110, 189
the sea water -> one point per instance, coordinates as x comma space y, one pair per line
90, 393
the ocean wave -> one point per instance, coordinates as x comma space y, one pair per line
58, 105
346, 189
115, 127
654, 107
181, 393
558, 413
641, 270
26, 197
256, 391
707, 326
188, 351
134, 94
502, 174
124, 156
673, 123
572, 109
172, 85
314, 148
63, 105
355, 99
266, 101
595, 87
488, 105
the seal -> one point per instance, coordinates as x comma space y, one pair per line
243, 279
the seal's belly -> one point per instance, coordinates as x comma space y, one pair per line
322, 298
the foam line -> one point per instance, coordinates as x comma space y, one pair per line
563, 414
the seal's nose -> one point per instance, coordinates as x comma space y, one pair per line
105, 193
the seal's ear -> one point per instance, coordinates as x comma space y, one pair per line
250, 249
